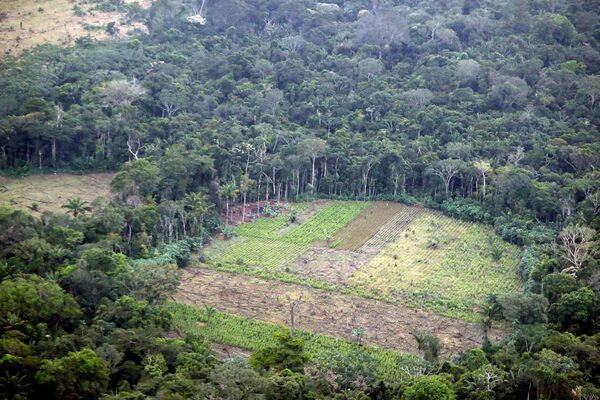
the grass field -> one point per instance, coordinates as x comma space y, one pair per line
50, 191
25, 24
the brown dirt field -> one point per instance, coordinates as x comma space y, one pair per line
224, 351
394, 227
366, 225
28, 23
330, 265
387, 325
51, 191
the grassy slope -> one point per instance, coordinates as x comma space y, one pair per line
51, 191
443, 261
29, 23
428, 260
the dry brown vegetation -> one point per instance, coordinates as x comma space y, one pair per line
25, 24
325, 312
51, 191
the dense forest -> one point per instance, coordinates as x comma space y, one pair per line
486, 110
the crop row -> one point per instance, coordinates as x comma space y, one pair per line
435, 262
266, 246
261, 253
254, 335
323, 225
392, 230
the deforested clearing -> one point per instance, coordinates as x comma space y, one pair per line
400, 254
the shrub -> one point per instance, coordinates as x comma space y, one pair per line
467, 210
429, 388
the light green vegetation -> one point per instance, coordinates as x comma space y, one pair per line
255, 335
326, 222
29, 23
423, 258
274, 242
443, 263
48, 192
264, 253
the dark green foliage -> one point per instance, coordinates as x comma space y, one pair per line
31, 305
487, 111
79, 375
466, 209
429, 388
519, 308
577, 309
557, 284
288, 354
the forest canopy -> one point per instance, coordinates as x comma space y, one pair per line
486, 110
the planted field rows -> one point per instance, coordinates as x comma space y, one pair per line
436, 261
394, 227
325, 312
407, 255
275, 242
253, 335
366, 224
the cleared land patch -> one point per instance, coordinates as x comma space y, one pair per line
325, 312
49, 192
28, 23
366, 224
329, 265
441, 263
245, 333
419, 257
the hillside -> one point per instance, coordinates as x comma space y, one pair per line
39, 193
25, 24
360, 199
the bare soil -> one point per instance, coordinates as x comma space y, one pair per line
224, 351
387, 325
330, 265
366, 225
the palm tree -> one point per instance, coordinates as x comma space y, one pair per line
245, 184
199, 205
76, 206
229, 191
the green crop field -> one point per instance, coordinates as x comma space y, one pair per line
274, 242
409, 255
255, 335
435, 262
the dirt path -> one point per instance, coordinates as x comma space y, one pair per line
387, 325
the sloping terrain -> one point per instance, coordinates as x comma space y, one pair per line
383, 324
384, 270
49, 192
25, 24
